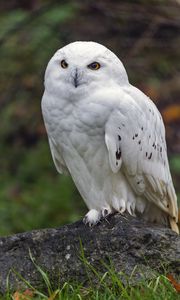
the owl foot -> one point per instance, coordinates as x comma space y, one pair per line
92, 217
119, 205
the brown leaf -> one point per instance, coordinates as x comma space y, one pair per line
175, 284
171, 113
26, 295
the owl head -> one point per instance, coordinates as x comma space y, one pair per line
82, 67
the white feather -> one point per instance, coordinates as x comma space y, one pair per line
107, 134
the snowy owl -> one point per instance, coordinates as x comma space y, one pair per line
108, 135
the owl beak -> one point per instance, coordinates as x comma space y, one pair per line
75, 78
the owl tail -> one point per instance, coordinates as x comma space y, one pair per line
173, 225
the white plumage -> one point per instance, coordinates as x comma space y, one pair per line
108, 135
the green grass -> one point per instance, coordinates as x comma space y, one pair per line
109, 286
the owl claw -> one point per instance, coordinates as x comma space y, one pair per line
105, 212
92, 217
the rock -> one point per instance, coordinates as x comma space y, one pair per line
64, 253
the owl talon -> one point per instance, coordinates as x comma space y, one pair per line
105, 212
92, 217
122, 210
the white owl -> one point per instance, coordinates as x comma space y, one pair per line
108, 135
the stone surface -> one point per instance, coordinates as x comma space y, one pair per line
124, 241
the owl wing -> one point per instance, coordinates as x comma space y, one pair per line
57, 158
135, 139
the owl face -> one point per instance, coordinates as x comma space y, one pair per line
82, 67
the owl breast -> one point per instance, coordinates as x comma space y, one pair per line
79, 134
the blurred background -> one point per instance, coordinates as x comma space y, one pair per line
144, 34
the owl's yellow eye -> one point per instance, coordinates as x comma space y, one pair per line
94, 66
64, 64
